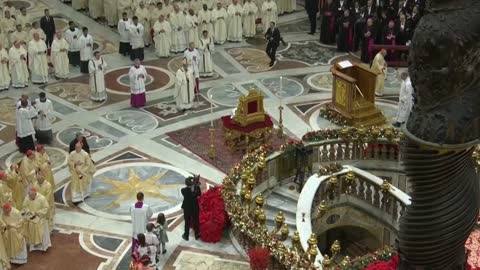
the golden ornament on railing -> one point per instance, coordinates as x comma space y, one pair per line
248, 197
251, 181
322, 208
296, 238
261, 163
259, 200
386, 186
349, 178
313, 252
243, 191
285, 231
361, 132
326, 261
389, 133
344, 133
332, 181
375, 133
257, 212
335, 249
346, 262
261, 217
280, 218
312, 240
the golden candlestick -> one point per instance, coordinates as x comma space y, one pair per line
280, 122
211, 151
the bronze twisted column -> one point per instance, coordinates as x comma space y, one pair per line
443, 127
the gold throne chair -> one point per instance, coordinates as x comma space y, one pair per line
249, 126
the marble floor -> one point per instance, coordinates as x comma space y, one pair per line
141, 149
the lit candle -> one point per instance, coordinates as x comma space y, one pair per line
280, 92
211, 113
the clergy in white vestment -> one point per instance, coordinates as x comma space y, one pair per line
72, 36
95, 8
177, 23
210, 4
60, 56
137, 75
43, 123
8, 6
36, 30
25, 128
196, 5
220, 26
183, 5
155, 12
24, 19
5, 40
184, 92
143, 15
235, 31
122, 28
35, 211
206, 20
81, 169
4, 71
14, 239
206, 49
79, 4
17, 57
162, 33
191, 27
125, 6
193, 60
140, 213
86, 50
405, 102
7, 23
136, 32
249, 16
110, 12
281, 5
270, 14
96, 68
19, 35
37, 60
167, 8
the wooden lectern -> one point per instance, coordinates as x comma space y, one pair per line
353, 94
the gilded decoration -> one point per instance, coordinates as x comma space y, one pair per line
341, 93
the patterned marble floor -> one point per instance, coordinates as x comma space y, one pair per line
134, 149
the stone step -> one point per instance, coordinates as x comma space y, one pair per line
284, 191
281, 201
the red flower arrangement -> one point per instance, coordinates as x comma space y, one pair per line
259, 258
384, 265
213, 217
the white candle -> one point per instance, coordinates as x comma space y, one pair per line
280, 92
211, 114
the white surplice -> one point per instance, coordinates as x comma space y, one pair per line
206, 49
270, 14
25, 124
177, 23
193, 60
96, 68
162, 38
220, 25
38, 63
136, 35
18, 66
143, 15
191, 28
122, 28
4, 71
137, 82
72, 37
405, 103
86, 52
140, 218
235, 30
60, 58
184, 89
249, 16
45, 115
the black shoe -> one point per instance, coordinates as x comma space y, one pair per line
164, 251
185, 237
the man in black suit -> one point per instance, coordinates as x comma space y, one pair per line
79, 138
311, 6
190, 205
48, 26
274, 38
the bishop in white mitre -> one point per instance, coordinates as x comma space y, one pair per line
17, 58
37, 58
4, 71
95, 8
205, 19
143, 15
249, 16
220, 26
60, 57
35, 209
206, 49
177, 23
184, 92
270, 14
96, 69
191, 27
137, 76
235, 30
81, 170
110, 12
163, 36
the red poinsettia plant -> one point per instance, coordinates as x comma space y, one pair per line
259, 258
213, 217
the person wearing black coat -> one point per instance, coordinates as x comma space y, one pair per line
47, 23
311, 6
79, 138
327, 31
274, 38
403, 30
191, 209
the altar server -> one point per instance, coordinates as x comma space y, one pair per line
379, 67
44, 164
28, 169
37, 60
405, 102
110, 12
72, 35
136, 31
43, 122
86, 50
235, 30
220, 26
60, 57
125, 6
184, 87
270, 14
191, 27
122, 28
137, 76
25, 130
37, 232
193, 60
162, 33
205, 19
44, 188
4, 71
206, 49
81, 170
15, 244
17, 185
177, 23
140, 213
95, 8
96, 68
249, 16
79, 4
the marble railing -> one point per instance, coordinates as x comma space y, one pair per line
321, 192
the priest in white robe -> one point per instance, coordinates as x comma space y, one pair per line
43, 122
110, 12
405, 102
14, 239
86, 50
96, 69
79, 4
37, 58
136, 32
191, 27
143, 15
193, 59
19, 35
24, 19
125, 6
35, 209
184, 92
162, 33
235, 31
72, 35
206, 49
206, 20
177, 23
379, 67
140, 213
95, 8
249, 16
4, 70
36, 30
25, 129
167, 8
137, 75
60, 56
17, 57
122, 28
81, 170
220, 26
270, 14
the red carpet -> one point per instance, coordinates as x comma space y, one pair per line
197, 140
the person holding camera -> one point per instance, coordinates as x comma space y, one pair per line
190, 205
